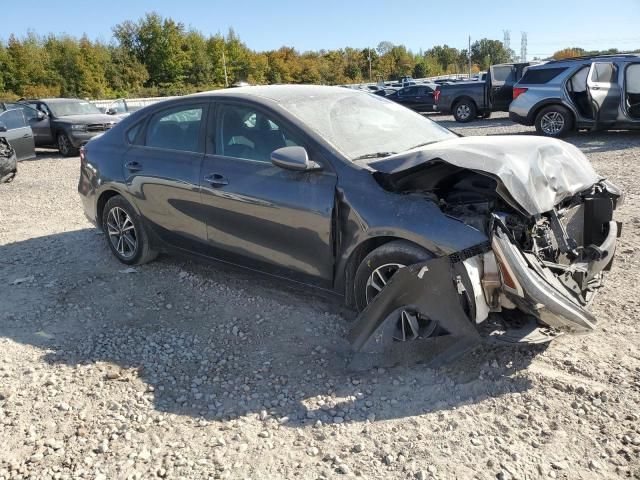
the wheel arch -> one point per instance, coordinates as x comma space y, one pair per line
547, 102
105, 195
459, 99
359, 253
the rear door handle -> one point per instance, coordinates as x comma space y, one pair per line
216, 180
133, 166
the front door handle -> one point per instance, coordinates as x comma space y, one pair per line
216, 180
133, 166
27, 135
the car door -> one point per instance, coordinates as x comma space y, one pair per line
40, 124
18, 134
604, 93
632, 91
260, 215
502, 79
408, 97
162, 170
424, 99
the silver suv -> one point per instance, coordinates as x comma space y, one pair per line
579, 93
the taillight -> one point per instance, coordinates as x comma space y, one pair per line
517, 91
82, 153
436, 96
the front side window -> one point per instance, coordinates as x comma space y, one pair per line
13, 119
633, 79
245, 132
28, 112
176, 129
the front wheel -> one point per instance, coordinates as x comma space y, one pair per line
125, 233
377, 268
464, 111
65, 147
554, 121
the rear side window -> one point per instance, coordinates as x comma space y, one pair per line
502, 73
545, 75
603, 73
176, 129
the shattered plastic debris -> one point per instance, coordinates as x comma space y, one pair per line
426, 293
18, 281
129, 270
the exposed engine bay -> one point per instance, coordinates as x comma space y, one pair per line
546, 263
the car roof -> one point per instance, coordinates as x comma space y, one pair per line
53, 100
277, 93
587, 58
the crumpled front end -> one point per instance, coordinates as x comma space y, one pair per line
539, 271
552, 265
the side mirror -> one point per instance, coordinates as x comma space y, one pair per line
293, 158
40, 115
3, 127
110, 111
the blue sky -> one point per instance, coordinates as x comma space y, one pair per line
311, 25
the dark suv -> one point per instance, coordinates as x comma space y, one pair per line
583, 92
67, 123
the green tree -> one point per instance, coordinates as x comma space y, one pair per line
487, 52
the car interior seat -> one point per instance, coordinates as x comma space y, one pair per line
578, 92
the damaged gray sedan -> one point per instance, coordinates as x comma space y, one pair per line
424, 232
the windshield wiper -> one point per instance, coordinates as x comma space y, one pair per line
374, 155
422, 144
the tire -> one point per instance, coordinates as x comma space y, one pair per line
554, 121
392, 255
65, 147
128, 240
465, 111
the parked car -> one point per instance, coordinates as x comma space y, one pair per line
120, 108
585, 92
385, 92
67, 123
417, 97
15, 129
8, 161
469, 100
341, 190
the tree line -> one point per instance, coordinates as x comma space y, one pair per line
158, 56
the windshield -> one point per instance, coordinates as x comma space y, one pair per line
63, 109
362, 125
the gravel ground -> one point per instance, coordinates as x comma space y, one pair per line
184, 370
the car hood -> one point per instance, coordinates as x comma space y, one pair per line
537, 172
89, 119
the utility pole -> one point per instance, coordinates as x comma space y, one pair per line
369, 58
224, 64
523, 47
469, 55
507, 43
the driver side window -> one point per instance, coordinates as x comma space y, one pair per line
247, 133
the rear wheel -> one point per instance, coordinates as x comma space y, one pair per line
464, 111
125, 233
554, 121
